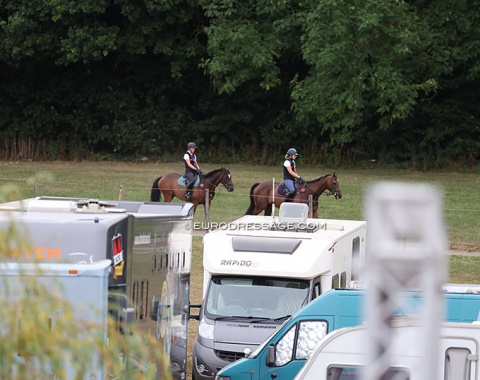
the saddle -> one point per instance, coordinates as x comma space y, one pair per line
182, 181
282, 189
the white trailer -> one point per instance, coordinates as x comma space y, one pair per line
89, 305
342, 355
260, 270
149, 245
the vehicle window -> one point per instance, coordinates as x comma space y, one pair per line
310, 334
258, 297
457, 364
284, 347
316, 290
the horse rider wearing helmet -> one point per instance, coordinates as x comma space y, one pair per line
191, 168
290, 173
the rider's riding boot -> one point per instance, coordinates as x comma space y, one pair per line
188, 195
289, 196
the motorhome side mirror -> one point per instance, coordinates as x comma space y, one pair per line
270, 355
194, 316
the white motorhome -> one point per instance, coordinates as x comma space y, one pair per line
260, 270
342, 354
149, 245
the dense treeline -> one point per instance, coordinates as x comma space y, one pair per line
341, 80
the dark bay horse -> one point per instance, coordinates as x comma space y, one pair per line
262, 195
169, 187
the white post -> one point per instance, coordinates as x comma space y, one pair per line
207, 207
406, 246
273, 197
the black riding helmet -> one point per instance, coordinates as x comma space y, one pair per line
191, 145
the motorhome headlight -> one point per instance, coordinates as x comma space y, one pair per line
222, 377
205, 330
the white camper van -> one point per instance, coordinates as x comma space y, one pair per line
342, 354
260, 270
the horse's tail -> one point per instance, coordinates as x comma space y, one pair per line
252, 200
155, 195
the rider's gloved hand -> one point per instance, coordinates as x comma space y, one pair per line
199, 171
301, 180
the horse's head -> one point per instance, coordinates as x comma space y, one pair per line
226, 180
333, 186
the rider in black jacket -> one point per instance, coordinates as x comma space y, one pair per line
191, 168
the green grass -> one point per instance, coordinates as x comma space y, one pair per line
103, 180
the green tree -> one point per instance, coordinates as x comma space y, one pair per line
369, 75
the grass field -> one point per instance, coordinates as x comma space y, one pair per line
103, 180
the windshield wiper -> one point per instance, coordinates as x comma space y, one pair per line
282, 318
250, 318
230, 317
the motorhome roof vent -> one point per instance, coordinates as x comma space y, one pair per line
293, 212
264, 244
98, 206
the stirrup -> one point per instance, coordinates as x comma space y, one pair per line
188, 195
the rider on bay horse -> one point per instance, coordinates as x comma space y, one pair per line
191, 168
290, 173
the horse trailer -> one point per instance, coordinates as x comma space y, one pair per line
149, 245
260, 270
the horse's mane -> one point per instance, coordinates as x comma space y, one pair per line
319, 179
213, 172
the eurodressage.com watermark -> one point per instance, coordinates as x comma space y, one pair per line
252, 226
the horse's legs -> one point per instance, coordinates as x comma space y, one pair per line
268, 210
315, 210
167, 196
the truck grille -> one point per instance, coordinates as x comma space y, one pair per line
229, 356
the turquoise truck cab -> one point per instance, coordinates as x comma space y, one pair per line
286, 351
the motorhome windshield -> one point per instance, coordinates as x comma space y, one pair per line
255, 297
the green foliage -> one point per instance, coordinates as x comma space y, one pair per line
42, 338
387, 80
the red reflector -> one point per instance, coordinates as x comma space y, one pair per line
73, 271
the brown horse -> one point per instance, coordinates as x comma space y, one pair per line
169, 187
262, 197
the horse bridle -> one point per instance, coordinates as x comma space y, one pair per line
334, 192
318, 193
223, 179
213, 185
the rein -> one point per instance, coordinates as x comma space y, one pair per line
212, 184
317, 194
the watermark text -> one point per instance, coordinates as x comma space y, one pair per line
253, 226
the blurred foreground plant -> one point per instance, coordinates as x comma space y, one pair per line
41, 336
